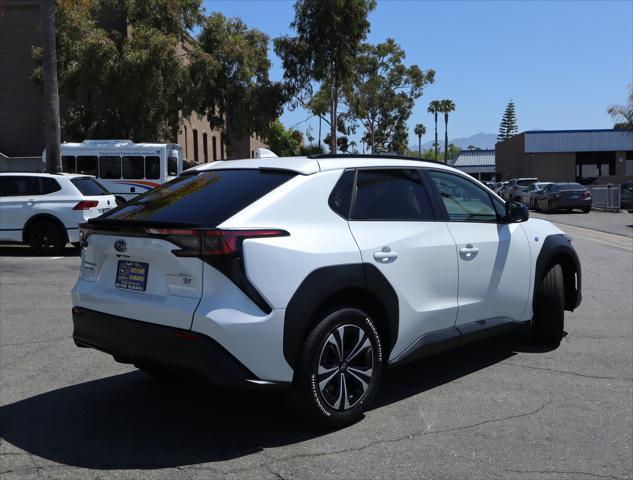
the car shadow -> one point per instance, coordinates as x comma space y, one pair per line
7, 250
132, 421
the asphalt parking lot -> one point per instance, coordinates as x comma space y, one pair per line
503, 408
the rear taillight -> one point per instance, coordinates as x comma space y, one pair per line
86, 204
187, 239
585, 194
229, 242
85, 230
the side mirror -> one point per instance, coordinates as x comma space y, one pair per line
516, 212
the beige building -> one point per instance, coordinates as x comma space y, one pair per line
567, 156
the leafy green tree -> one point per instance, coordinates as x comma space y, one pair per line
229, 70
624, 113
453, 151
508, 127
420, 130
446, 106
435, 108
329, 34
382, 94
282, 141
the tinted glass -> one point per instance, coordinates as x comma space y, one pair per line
19, 186
87, 165
341, 195
110, 167
391, 195
49, 185
570, 186
205, 199
133, 167
172, 166
68, 164
525, 183
464, 200
89, 187
152, 168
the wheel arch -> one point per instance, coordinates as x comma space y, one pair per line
353, 285
557, 249
39, 217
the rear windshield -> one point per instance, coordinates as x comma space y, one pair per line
206, 199
526, 182
568, 186
89, 187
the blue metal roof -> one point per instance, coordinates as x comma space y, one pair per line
475, 158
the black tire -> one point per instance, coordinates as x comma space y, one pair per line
586, 210
46, 237
344, 391
549, 309
76, 244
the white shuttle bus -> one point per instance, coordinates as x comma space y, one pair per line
123, 167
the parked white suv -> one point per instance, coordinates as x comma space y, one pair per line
316, 272
44, 210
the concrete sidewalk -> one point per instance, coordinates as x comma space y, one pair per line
614, 223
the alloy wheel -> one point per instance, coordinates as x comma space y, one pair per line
346, 366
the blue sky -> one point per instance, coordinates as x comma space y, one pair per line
562, 62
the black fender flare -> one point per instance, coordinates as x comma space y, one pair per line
322, 285
558, 249
42, 216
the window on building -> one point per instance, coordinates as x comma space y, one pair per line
215, 149
205, 146
595, 164
195, 145
221, 147
252, 153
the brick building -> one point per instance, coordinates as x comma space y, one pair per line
567, 155
21, 101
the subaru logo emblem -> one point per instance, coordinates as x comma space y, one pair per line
120, 245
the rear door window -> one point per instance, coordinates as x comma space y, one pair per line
341, 196
89, 187
391, 194
204, 199
49, 185
68, 164
15, 186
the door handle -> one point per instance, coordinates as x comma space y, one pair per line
385, 255
468, 252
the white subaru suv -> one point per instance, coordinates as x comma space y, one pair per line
44, 210
316, 273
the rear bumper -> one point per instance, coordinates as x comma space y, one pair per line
569, 203
132, 341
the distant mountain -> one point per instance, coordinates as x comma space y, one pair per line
481, 140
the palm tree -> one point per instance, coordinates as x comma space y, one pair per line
434, 108
51, 88
446, 106
623, 112
419, 131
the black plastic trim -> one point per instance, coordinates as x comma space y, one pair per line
323, 284
555, 246
133, 341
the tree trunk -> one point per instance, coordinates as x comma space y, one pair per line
420, 146
51, 89
333, 108
435, 145
446, 137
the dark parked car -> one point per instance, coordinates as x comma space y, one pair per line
564, 196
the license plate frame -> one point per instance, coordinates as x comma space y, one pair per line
138, 270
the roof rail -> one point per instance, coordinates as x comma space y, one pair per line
373, 155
